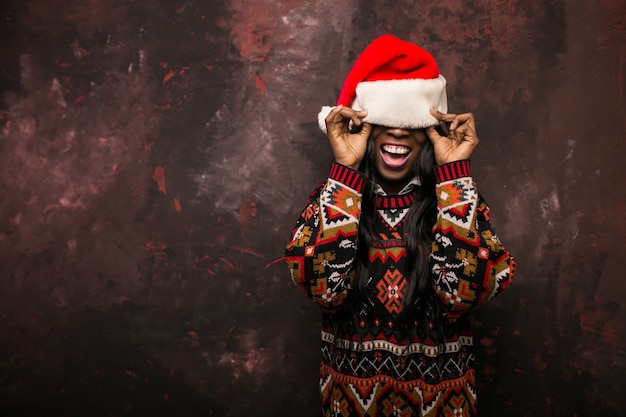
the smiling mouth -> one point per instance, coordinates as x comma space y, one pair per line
395, 156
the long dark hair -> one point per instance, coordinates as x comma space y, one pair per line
420, 309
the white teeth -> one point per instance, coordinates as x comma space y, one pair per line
396, 150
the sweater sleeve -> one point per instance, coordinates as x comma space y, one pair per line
468, 261
322, 249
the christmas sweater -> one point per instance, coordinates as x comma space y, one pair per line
381, 371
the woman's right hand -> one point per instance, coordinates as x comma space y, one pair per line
348, 148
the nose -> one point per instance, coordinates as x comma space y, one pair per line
398, 132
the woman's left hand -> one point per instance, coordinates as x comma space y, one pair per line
461, 140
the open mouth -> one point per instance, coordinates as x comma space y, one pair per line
395, 156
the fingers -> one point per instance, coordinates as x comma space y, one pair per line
432, 134
442, 117
341, 115
367, 129
455, 120
462, 130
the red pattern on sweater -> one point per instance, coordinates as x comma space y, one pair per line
380, 371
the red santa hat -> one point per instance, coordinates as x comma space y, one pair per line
396, 82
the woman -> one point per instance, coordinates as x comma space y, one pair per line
396, 246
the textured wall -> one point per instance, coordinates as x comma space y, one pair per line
155, 154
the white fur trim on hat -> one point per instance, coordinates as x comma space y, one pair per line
402, 103
397, 103
321, 117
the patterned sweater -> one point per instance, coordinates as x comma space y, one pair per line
382, 372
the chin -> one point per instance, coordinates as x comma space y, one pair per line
393, 175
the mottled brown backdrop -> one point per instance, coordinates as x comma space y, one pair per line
155, 154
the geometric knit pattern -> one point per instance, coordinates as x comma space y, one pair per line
391, 290
372, 368
349, 396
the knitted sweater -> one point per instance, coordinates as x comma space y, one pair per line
380, 371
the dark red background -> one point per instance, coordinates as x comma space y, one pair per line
155, 155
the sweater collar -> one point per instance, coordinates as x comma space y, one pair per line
414, 183
402, 200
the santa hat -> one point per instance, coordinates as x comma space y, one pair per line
396, 82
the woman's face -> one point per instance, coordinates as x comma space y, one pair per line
396, 151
